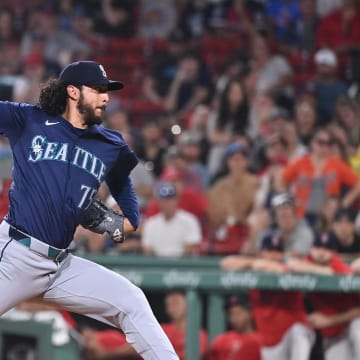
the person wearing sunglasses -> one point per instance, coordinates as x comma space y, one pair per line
317, 175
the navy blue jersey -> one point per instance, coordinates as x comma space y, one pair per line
57, 171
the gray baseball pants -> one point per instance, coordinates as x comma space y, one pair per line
83, 287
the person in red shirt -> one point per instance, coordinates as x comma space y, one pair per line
336, 315
241, 342
107, 345
175, 307
279, 316
340, 30
318, 175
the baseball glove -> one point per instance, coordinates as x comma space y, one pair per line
99, 218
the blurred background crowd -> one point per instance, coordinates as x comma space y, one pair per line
245, 116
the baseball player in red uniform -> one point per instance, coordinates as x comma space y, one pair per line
175, 307
336, 315
279, 316
241, 342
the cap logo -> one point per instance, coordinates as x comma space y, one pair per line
275, 240
324, 238
102, 71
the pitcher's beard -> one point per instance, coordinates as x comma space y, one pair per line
90, 118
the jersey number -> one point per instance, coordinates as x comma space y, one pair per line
87, 196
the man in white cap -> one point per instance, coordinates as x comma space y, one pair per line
326, 87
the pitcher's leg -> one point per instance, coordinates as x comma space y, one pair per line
23, 274
87, 288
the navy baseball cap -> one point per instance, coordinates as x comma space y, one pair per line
272, 241
165, 190
234, 148
87, 73
326, 240
241, 299
343, 213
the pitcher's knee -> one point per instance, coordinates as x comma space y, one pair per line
131, 299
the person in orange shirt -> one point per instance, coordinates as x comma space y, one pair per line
318, 175
175, 308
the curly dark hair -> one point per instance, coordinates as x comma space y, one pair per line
53, 97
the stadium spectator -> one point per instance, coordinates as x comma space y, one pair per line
281, 15
317, 175
246, 17
115, 18
271, 147
347, 116
299, 37
190, 151
59, 47
270, 161
227, 122
229, 217
191, 85
190, 199
9, 42
162, 68
173, 232
175, 329
280, 317
326, 87
325, 7
156, 18
27, 87
294, 148
326, 216
234, 67
260, 108
296, 235
152, 147
305, 120
143, 180
340, 31
272, 123
241, 341
195, 18
347, 240
341, 145
269, 73
336, 316
176, 162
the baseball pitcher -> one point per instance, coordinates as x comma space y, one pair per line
61, 156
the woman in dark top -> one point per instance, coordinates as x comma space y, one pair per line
228, 122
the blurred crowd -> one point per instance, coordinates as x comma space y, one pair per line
245, 117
